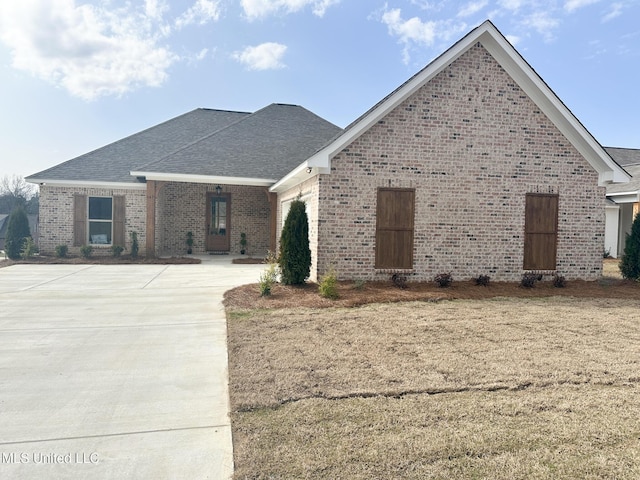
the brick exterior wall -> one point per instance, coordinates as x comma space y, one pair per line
56, 217
472, 144
182, 207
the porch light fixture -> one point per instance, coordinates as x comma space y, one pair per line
218, 189
308, 169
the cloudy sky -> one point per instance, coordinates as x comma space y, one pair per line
78, 74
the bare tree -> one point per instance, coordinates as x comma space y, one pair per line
14, 192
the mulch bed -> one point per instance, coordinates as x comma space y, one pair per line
123, 260
285, 296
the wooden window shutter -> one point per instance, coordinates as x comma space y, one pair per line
118, 220
394, 228
79, 220
541, 231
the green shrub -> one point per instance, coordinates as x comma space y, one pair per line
482, 280
17, 233
61, 251
630, 261
134, 244
116, 250
29, 249
328, 286
399, 281
295, 255
86, 251
529, 279
443, 280
559, 281
267, 279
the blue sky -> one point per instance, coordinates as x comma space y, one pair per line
76, 74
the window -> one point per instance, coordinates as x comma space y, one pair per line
540, 231
394, 228
100, 220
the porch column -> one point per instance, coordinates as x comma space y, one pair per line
273, 220
153, 188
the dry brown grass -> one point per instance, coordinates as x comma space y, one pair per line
501, 388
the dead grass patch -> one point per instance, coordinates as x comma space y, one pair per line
502, 388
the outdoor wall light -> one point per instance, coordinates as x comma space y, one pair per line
308, 169
218, 189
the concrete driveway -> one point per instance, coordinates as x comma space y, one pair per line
116, 371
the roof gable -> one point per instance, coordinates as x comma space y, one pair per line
521, 72
259, 149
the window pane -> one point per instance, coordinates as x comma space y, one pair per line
100, 208
100, 233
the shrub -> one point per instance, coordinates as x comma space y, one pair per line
29, 248
295, 255
61, 251
116, 250
359, 284
630, 261
86, 251
559, 281
443, 279
17, 233
134, 244
529, 279
267, 279
328, 287
482, 280
399, 281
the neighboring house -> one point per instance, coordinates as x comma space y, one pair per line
623, 201
473, 166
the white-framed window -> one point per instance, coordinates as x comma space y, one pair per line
100, 220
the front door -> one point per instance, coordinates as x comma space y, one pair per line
218, 222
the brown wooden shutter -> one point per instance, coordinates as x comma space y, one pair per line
394, 228
118, 220
541, 231
79, 220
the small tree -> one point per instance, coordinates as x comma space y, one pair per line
630, 261
295, 255
17, 233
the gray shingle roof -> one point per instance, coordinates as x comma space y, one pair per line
267, 144
629, 159
113, 162
624, 156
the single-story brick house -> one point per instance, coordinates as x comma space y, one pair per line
623, 201
473, 166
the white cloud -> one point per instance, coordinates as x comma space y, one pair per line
254, 9
616, 11
571, 5
415, 32
472, 8
512, 5
202, 12
266, 56
543, 23
155, 8
88, 50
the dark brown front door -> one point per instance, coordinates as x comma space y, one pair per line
218, 221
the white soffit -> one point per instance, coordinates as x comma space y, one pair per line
188, 178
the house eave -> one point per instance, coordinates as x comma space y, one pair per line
210, 179
624, 197
85, 183
302, 172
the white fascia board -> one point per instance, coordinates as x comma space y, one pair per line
86, 184
624, 197
187, 178
302, 172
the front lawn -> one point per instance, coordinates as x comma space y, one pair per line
496, 388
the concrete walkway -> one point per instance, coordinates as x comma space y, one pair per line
116, 371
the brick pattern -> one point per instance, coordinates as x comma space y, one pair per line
182, 208
472, 144
56, 217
